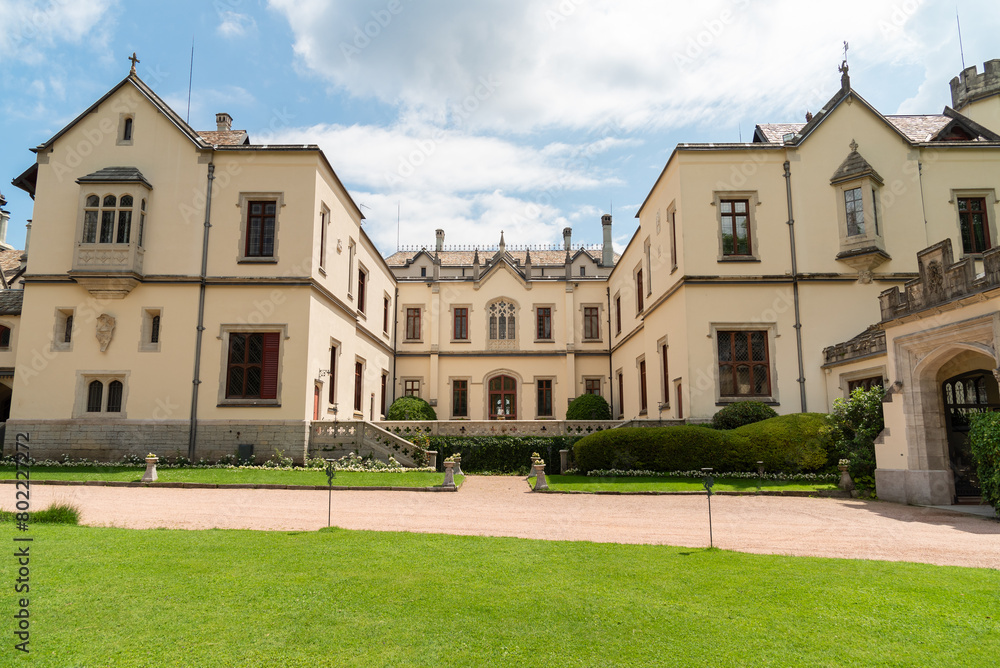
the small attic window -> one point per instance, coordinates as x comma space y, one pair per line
126, 128
423, 271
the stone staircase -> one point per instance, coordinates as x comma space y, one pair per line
332, 440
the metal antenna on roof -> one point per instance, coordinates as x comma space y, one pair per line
190, 79
960, 48
397, 226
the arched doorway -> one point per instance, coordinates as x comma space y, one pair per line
502, 398
967, 393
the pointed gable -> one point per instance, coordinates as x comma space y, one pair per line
853, 167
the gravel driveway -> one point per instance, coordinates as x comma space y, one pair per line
504, 506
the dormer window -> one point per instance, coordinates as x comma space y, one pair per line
855, 212
857, 186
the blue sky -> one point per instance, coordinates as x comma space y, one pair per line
521, 115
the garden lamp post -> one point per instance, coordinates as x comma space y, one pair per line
708, 483
330, 475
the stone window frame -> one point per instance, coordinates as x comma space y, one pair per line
59, 342
872, 210
663, 357
648, 275
867, 372
552, 322
753, 202
324, 236
503, 343
126, 129
405, 308
989, 194
618, 313
9, 326
600, 384
83, 380
637, 282
225, 330
403, 380
620, 379
672, 222
552, 398
358, 396
364, 287
243, 204
468, 322
451, 408
140, 195
146, 344
333, 352
583, 322
352, 250
642, 380
386, 312
771, 330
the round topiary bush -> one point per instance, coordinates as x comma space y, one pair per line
742, 413
410, 408
588, 407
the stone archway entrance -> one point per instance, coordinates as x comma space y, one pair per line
963, 395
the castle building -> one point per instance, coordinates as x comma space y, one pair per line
193, 291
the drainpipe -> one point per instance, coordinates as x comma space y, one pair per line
795, 287
395, 335
193, 434
611, 366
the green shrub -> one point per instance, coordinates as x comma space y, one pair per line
742, 413
984, 437
588, 407
57, 513
410, 408
789, 443
855, 423
501, 454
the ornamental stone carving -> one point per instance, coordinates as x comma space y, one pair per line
105, 330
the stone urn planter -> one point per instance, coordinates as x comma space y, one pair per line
846, 484
150, 474
539, 470
449, 474
458, 464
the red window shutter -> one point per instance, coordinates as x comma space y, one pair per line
269, 370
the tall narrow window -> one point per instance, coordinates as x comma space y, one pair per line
591, 322
124, 220
90, 215
666, 376
385, 314
460, 398
638, 291
642, 386
544, 398
359, 371
127, 130
142, 220
673, 240
333, 375
385, 380
502, 325
154, 329
621, 395
362, 282
744, 366
974, 224
108, 219
413, 324
875, 210
260, 228
115, 391
735, 227
855, 212
460, 331
322, 240
4, 337
544, 321
95, 396
68, 330
618, 314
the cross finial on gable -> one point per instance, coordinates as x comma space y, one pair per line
853, 145
134, 61
845, 79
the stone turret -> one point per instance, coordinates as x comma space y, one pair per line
567, 237
608, 250
970, 86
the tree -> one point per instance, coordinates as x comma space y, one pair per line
855, 423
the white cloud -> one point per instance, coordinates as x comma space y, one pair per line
520, 65
234, 24
31, 27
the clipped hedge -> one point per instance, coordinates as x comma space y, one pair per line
742, 413
501, 454
984, 439
410, 408
789, 444
588, 407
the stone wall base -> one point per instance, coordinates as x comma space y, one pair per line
111, 440
919, 488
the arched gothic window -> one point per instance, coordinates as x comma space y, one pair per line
502, 321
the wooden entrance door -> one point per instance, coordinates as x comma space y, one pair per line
965, 394
503, 398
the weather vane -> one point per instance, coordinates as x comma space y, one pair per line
134, 61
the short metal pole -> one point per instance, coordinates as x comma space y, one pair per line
708, 483
760, 474
330, 475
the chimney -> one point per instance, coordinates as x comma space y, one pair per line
475, 265
224, 122
440, 240
607, 251
567, 236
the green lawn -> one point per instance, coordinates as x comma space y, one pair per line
116, 597
582, 483
237, 476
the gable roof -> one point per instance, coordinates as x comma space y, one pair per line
915, 128
225, 137
854, 166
